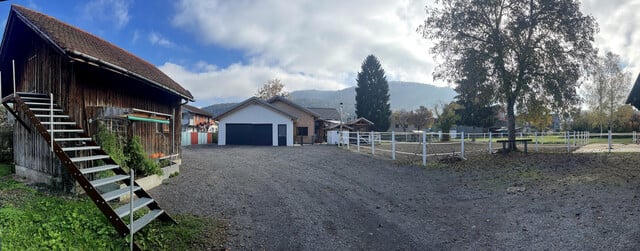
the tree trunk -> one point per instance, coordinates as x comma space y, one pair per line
511, 124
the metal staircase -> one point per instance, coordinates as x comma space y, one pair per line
88, 164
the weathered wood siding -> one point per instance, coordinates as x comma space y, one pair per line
88, 93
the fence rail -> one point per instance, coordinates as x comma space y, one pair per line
419, 147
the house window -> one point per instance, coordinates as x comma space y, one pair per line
303, 131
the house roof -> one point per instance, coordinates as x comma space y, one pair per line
358, 120
196, 110
85, 47
292, 104
634, 95
254, 101
326, 113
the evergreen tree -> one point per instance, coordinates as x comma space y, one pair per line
372, 94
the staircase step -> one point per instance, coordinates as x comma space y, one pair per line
89, 158
45, 110
119, 193
54, 116
109, 180
38, 103
146, 219
66, 130
25, 98
80, 148
98, 169
32, 94
137, 205
72, 139
57, 123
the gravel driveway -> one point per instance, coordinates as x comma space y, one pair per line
324, 198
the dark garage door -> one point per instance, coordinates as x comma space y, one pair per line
249, 134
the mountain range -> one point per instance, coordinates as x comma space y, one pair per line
402, 95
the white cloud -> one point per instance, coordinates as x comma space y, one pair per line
619, 29
112, 11
157, 39
325, 41
238, 81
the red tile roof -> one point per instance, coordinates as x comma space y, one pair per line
75, 43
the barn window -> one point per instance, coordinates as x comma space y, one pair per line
162, 128
303, 131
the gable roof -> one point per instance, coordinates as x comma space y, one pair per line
326, 113
85, 47
196, 110
254, 101
634, 95
292, 104
358, 120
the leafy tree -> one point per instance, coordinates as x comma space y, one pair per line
372, 94
623, 119
401, 119
606, 93
272, 88
447, 117
421, 118
519, 49
535, 113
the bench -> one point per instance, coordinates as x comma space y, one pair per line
504, 143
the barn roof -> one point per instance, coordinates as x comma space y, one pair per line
634, 95
196, 110
83, 46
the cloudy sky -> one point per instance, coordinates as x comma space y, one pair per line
223, 51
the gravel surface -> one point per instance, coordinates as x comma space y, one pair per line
325, 198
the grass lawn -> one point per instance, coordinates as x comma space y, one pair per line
38, 220
5, 169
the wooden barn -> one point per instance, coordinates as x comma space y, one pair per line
93, 81
62, 84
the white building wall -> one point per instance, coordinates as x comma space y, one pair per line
256, 114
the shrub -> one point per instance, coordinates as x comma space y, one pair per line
138, 160
112, 144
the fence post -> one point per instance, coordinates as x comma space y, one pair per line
373, 143
574, 139
490, 143
358, 140
566, 139
462, 144
609, 139
424, 148
535, 134
348, 139
393, 145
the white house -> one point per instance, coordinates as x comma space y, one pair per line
255, 122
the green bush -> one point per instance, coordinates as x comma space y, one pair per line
113, 145
214, 138
138, 159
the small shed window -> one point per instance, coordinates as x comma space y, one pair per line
162, 128
303, 131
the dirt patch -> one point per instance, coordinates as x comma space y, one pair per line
603, 148
323, 197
